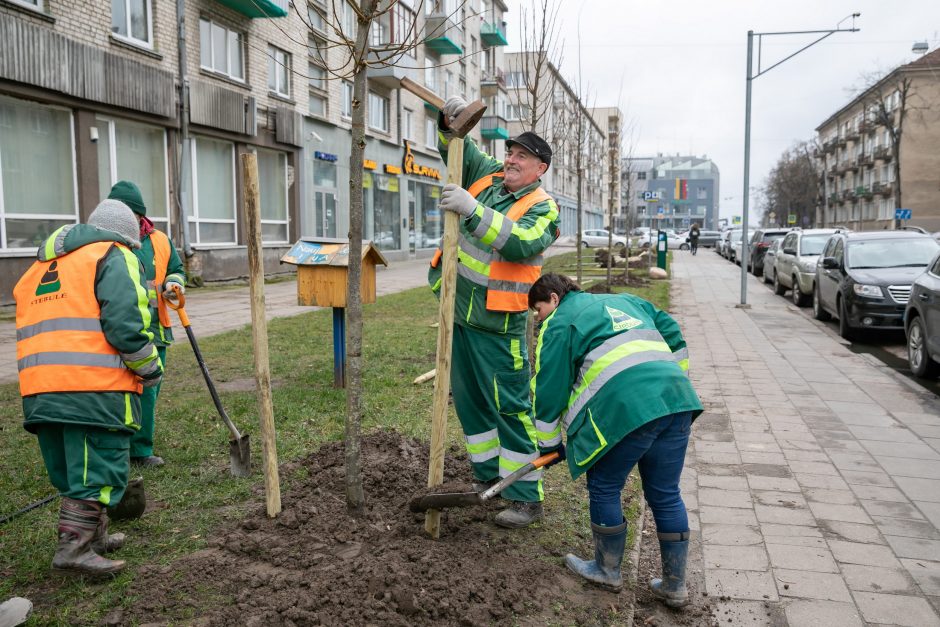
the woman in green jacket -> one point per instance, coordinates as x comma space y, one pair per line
612, 370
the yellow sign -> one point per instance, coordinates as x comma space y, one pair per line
366, 180
392, 169
435, 192
413, 168
392, 185
369, 164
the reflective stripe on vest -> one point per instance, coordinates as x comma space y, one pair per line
615, 355
161, 258
60, 345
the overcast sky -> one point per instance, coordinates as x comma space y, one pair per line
682, 66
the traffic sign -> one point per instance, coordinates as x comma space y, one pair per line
735, 219
791, 218
902, 214
772, 215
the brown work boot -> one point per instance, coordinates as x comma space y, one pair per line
78, 525
105, 542
519, 514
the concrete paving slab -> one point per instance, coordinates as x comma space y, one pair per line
865, 554
855, 477
895, 609
811, 585
722, 482
850, 531
814, 558
892, 509
735, 557
740, 584
920, 548
925, 573
731, 535
783, 515
725, 498
907, 528
900, 449
845, 513
876, 579
813, 468
919, 489
884, 434
727, 515
829, 482
748, 457
780, 484
795, 455
878, 493
931, 510
904, 467
815, 613
779, 498
835, 497
754, 613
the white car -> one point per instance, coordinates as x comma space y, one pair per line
601, 238
673, 240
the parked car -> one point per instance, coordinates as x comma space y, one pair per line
737, 245
795, 265
706, 239
600, 237
865, 278
724, 247
758, 245
922, 323
770, 258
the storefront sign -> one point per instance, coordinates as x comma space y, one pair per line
324, 156
392, 169
419, 170
369, 164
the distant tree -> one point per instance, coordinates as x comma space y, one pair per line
541, 49
792, 186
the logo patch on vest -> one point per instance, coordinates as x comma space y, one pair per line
621, 321
49, 282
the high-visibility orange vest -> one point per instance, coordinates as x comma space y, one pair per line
60, 346
509, 281
161, 257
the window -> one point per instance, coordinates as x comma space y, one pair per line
430, 75
349, 22
317, 49
316, 76
317, 105
378, 112
37, 173
345, 106
702, 193
272, 186
517, 111
407, 124
430, 133
515, 79
221, 50
448, 84
32, 4
212, 207
131, 20
380, 32
279, 71
463, 88
403, 26
129, 151
473, 49
315, 18
641, 176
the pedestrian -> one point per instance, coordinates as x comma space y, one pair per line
694, 234
612, 368
506, 222
164, 272
84, 353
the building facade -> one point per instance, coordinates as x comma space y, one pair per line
878, 153
672, 192
610, 119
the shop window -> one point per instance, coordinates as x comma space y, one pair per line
279, 71
212, 206
378, 112
272, 184
383, 213
220, 50
135, 152
132, 20
37, 173
345, 107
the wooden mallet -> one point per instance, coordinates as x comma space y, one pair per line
461, 125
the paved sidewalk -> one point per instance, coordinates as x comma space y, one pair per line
814, 476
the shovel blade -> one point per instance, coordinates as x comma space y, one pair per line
240, 456
445, 499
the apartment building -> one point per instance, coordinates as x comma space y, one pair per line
861, 162
634, 175
672, 192
559, 111
610, 119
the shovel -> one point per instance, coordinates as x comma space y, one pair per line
427, 502
239, 451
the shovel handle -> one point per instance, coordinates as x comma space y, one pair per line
178, 304
541, 462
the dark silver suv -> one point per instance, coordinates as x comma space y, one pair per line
795, 263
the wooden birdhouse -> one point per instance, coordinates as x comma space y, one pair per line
323, 270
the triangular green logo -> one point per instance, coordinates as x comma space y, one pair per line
49, 282
620, 320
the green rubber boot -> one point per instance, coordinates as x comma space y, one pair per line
674, 551
604, 569
78, 524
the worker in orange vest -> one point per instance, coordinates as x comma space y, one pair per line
163, 270
506, 222
84, 354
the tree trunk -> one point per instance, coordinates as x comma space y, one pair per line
355, 500
580, 173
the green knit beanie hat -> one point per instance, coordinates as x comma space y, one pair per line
129, 194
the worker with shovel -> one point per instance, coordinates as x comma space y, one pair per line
507, 222
84, 354
612, 369
164, 271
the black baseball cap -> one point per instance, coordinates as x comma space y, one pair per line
534, 144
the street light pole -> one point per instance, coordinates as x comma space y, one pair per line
745, 252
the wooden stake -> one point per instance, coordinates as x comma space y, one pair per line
445, 336
259, 333
427, 376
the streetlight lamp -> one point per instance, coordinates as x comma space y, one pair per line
745, 253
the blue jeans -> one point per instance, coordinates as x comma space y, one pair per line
658, 447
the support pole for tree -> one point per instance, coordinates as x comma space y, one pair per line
259, 334
445, 336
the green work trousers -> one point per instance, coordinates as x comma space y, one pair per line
86, 463
142, 441
490, 383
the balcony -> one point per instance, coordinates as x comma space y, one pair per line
833, 170
864, 192
866, 127
884, 189
848, 194
851, 166
438, 30
493, 34
852, 135
389, 76
883, 153
829, 146
494, 127
840, 141
492, 82
833, 198
258, 8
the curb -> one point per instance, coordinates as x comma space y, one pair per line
635, 557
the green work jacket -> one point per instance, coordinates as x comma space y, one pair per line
480, 238
605, 365
162, 336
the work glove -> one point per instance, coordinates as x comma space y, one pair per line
452, 108
457, 199
560, 449
169, 292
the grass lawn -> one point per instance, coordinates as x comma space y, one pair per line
194, 492
657, 292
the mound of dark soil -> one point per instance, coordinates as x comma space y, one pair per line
314, 564
617, 280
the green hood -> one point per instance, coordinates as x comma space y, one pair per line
72, 237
